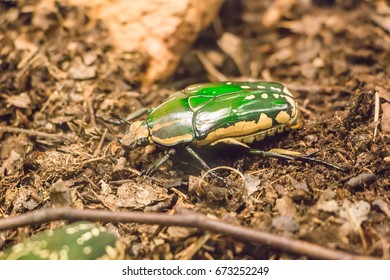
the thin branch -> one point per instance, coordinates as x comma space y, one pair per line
184, 218
376, 114
31, 132
210, 68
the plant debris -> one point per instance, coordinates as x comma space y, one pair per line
69, 75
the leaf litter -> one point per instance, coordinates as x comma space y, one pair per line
63, 75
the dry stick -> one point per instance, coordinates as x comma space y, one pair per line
31, 132
211, 70
376, 114
99, 146
184, 218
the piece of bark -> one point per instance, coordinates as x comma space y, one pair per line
161, 29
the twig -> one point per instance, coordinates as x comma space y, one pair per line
93, 159
210, 68
99, 146
97, 195
91, 112
376, 114
31, 132
184, 218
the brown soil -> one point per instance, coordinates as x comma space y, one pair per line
59, 76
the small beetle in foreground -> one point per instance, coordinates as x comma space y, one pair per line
233, 113
77, 241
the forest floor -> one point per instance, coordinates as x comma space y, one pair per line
60, 81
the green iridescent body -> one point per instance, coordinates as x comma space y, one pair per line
233, 113
229, 112
77, 241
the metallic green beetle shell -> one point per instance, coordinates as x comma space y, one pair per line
77, 241
206, 114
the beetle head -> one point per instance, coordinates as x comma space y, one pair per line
138, 135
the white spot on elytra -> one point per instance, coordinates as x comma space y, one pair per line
245, 87
44, 254
95, 231
229, 83
64, 255
264, 95
53, 256
276, 95
43, 244
71, 230
18, 248
111, 252
84, 237
87, 250
261, 87
65, 248
250, 97
86, 226
275, 88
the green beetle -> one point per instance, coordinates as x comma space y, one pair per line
77, 241
234, 113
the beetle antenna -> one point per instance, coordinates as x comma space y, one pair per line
116, 116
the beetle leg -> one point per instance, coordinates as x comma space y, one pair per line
157, 163
285, 154
196, 156
205, 166
308, 158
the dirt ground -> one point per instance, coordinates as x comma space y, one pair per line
62, 83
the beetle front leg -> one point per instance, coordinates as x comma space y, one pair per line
157, 163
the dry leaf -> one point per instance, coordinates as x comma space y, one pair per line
285, 223
163, 30
361, 180
285, 206
354, 215
252, 183
23, 200
385, 121
383, 93
275, 12
79, 71
383, 205
22, 100
326, 202
328, 206
136, 195
12, 164
180, 232
21, 144
234, 47
60, 194
382, 21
